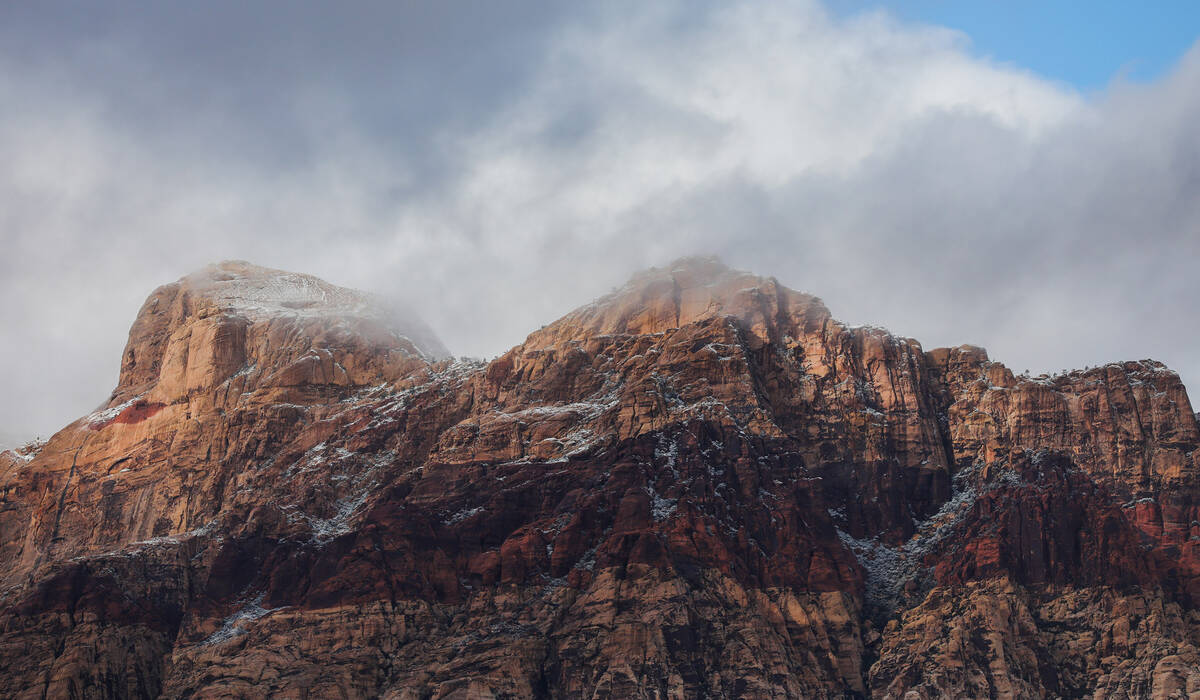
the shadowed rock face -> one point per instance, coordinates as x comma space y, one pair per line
701, 485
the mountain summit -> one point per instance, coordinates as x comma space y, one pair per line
235, 317
701, 485
693, 290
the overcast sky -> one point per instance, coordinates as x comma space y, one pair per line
497, 164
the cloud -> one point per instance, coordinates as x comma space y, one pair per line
497, 167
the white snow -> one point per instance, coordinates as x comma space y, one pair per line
27, 451
1139, 501
587, 562
462, 515
261, 293
577, 442
136, 547
661, 508
101, 417
586, 410
339, 522
668, 450
235, 625
889, 568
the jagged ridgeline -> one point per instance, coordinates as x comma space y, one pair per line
701, 485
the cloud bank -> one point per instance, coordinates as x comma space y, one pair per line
495, 167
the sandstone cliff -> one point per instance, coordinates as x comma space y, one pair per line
701, 485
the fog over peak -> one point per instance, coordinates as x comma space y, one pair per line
495, 167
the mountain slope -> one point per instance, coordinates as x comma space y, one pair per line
699, 485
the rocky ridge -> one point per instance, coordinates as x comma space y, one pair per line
701, 485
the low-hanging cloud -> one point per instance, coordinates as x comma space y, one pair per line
495, 167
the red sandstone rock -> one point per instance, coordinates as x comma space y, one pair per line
700, 485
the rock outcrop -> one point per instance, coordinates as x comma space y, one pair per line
701, 485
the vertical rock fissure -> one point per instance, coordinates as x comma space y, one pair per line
62, 496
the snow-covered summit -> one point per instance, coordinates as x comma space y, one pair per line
259, 293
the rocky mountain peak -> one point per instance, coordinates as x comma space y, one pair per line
690, 290
238, 319
262, 292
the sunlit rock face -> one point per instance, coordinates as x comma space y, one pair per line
701, 485
267, 327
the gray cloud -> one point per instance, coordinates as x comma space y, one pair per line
496, 166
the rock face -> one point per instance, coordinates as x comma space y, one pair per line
701, 485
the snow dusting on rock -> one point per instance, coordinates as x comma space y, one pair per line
260, 293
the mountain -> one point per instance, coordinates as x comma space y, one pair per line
700, 485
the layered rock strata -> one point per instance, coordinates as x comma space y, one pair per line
701, 485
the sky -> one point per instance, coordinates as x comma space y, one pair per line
1083, 45
1024, 179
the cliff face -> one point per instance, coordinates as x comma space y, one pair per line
700, 485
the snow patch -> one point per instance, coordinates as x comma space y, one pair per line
98, 419
339, 523
235, 625
462, 515
668, 450
889, 568
587, 562
661, 508
260, 293
27, 451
